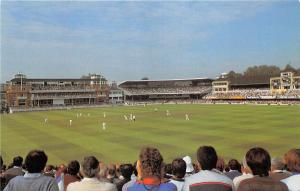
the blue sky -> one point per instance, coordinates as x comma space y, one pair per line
160, 40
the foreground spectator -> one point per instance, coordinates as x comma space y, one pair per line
15, 170
178, 171
72, 173
259, 161
234, 169
149, 167
246, 174
126, 171
207, 179
292, 160
111, 174
277, 169
220, 166
33, 180
90, 170
49, 171
134, 177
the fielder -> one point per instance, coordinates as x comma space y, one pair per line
104, 114
125, 117
103, 126
187, 117
70, 122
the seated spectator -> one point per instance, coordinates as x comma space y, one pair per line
277, 169
111, 174
220, 166
15, 170
259, 161
134, 177
178, 171
149, 167
126, 171
102, 173
33, 179
234, 169
207, 179
72, 173
59, 176
90, 170
168, 171
292, 161
246, 174
49, 171
189, 166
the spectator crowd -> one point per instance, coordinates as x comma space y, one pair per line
167, 90
256, 172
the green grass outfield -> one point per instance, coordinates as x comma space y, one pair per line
231, 129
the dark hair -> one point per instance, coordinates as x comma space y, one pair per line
35, 161
17, 161
168, 168
292, 159
126, 170
151, 162
259, 161
90, 166
234, 164
73, 167
207, 157
178, 167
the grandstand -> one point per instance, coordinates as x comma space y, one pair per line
285, 87
23, 92
147, 90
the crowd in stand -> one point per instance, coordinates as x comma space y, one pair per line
254, 94
168, 90
62, 87
257, 172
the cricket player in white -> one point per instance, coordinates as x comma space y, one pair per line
133, 118
187, 117
46, 120
125, 117
70, 122
103, 126
80, 114
168, 113
130, 117
104, 114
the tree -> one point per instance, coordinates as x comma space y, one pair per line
145, 78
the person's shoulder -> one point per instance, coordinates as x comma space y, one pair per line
169, 186
294, 179
73, 185
108, 186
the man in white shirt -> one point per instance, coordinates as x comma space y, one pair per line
90, 169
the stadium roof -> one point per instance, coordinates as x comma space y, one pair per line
52, 79
161, 80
